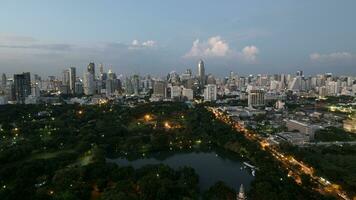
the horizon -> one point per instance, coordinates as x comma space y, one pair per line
80, 73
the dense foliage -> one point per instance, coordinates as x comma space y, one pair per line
331, 134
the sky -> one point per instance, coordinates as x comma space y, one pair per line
157, 37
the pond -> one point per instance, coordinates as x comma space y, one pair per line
210, 166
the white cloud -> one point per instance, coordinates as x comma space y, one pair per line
217, 47
149, 43
214, 47
14, 39
249, 53
136, 44
332, 57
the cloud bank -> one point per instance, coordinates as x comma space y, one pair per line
136, 44
332, 57
219, 48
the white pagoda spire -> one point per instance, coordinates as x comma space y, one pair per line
241, 194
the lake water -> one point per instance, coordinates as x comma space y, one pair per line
211, 167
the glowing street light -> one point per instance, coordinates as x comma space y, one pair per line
147, 117
167, 125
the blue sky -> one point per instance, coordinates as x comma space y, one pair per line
158, 36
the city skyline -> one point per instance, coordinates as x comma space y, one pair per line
129, 99
234, 36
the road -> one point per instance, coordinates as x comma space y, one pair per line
328, 143
295, 168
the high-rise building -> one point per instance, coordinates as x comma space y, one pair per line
295, 84
135, 80
72, 79
3, 81
159, 89
22, 86
88, 83
91, 68
188, 94
210, 92
256, 98
210, 79
79, 88
176, 92
300, 73
35, 90
186, 75
129, 90
65, 78
101, 68
68, 80
201, 73
112, 83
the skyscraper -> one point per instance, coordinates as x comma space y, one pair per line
22, 86
88, 83
72, 79
91, 68
159, 89
101, 68
65, 79
256, 98
201, 73
210, 92
3, 81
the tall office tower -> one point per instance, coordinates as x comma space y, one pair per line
91, 68
65, 82
72, 79
135, 80
79, 88
112, 84
186, 75
3, 81
35, 90
256, 98
37, 78
101, 68
88, 83
159, 89
210, 79
65, 78
210, 92
274, 85
333, 88
282, 84
188, 94
176, 92
173, 78
201, 73
295, 84
129, 86
146, 83
300, 73
349, 81
22, 86
111, 75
